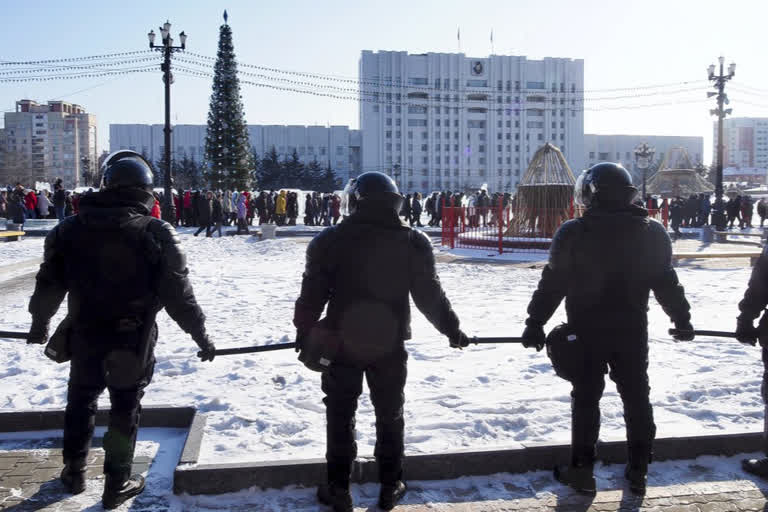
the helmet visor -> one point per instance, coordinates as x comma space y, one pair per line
578, 191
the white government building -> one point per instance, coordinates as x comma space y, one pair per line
447, 121
621, 148
335, 145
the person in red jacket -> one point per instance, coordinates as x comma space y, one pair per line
30, 203
156, 208
75, 203
187, 208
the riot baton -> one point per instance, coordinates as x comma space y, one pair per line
489, 340
14, 335
716, 334
250, 350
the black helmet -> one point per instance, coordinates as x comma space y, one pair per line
374, 188
126, 169
604, 183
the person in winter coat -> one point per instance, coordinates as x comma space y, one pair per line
75, 203
281, 205
733, 210
292, 208
676, 215
242, 211
416, 210
271, 205
59, 200
335, 208
227, 207
197, 198
187, 204
43, 204
405, 211
30, 203
746, 212
68, 208
156, 208
16, 210
605, 264
235, 202
205, 210
762, 210
364, 269
261, 207
217, 213
4, 204
179, 210
251, 209
309, 211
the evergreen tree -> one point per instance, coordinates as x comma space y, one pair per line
271, 170
255, 169
329, 182
314, 175
293, 176
227, 147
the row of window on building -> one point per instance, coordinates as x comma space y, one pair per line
501, 85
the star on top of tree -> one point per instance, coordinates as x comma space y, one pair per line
225, 16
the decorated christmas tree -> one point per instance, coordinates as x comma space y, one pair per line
227, 146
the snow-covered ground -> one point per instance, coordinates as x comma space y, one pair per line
268, 406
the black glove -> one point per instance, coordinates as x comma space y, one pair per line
533, 335
687, 334
300, 338
746, 332
207, 349
38, 333
458, 340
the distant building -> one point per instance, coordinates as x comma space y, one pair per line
54, 141
746, 142
446, 121
750, 175
337, 146
621, 148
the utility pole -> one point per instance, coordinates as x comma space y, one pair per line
167, 48
718, 210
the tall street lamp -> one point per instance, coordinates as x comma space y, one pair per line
643, 157
167, 48
718, 210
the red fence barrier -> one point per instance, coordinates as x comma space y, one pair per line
494, 227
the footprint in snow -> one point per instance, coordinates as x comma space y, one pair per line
279, 381
483, 379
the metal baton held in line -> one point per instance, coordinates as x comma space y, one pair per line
283, 346
249, 350
716, 334
14, 335
483, 340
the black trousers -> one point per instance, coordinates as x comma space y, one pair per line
92, 370
342, 386
624, 356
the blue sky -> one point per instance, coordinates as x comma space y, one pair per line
623, 43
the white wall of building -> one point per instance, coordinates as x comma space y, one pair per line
337, 145
448, 121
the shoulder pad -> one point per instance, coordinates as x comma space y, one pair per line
163, 231
420, 240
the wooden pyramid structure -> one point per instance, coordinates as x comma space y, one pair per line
677, 177
543, 199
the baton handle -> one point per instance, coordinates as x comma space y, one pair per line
250, 350
716, 334
489, 340
14, 335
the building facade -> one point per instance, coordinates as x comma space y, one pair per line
621, 148
337, 146
57, 140
745, 140
440, 121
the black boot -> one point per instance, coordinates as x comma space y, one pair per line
73, 475
636, 471
118, 490
391, 494
758, 467
336, 496
579, 478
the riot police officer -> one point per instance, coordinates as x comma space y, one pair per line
754, 302
120, 267
364, 268
604, 264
